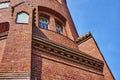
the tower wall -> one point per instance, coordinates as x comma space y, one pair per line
57, 8
31, 52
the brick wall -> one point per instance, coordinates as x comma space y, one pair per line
4, 27
52, 70
2, 47
57, 38
61, 9
48, 67
17, 54
17, 51
91, 48
5, 13
36, 70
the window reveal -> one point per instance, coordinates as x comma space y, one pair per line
44, 23
22, 18
58, 28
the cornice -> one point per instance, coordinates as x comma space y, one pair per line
3, 35
66, 53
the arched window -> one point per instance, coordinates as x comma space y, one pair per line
44, 23
22, 17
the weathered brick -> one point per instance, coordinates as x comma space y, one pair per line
17, 52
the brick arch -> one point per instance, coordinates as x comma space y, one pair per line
51, 11
54, 17
4, 26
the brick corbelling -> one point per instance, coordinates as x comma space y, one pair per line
20, 5
66, 53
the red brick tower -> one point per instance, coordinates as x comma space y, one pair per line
38, 41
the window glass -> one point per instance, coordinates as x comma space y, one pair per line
4, 5
44, 23
22, 18
58, 28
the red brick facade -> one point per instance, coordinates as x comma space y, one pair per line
4, 27
90, 47
29, 52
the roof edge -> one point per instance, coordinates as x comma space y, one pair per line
84, 38
103, 57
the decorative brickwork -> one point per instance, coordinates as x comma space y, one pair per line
30, 52
66, 53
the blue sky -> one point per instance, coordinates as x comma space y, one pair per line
102, 19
